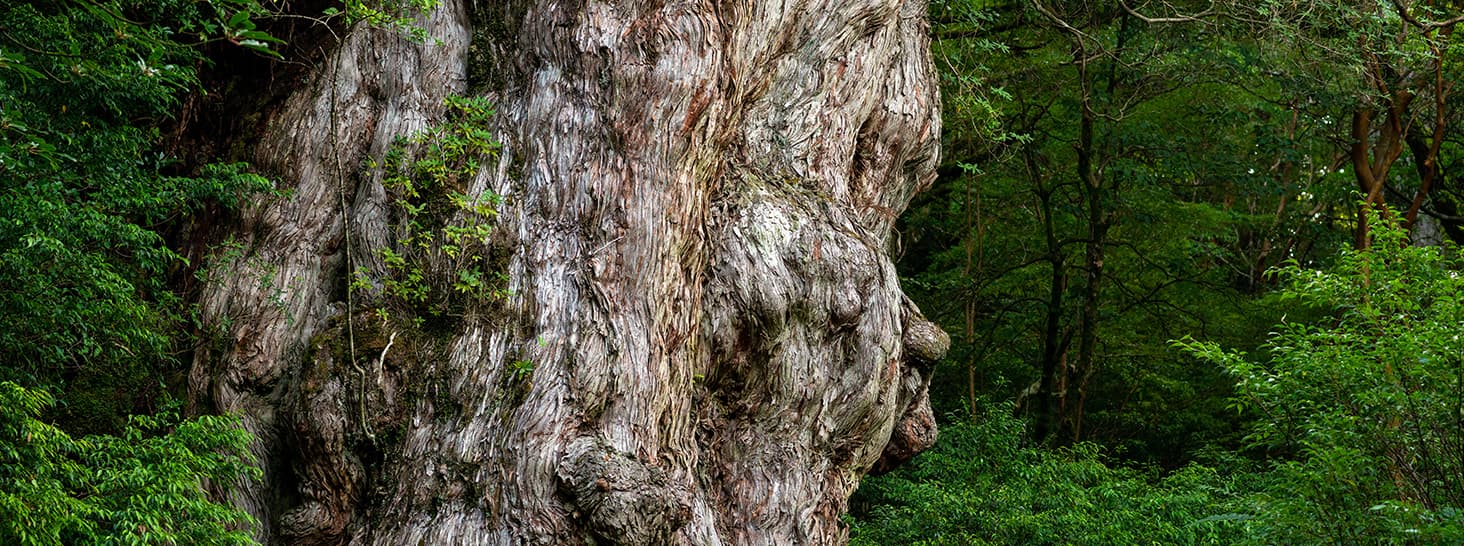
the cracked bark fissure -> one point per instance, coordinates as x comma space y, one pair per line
699, 200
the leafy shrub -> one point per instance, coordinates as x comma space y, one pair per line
85, 305
83, 188
439, 227
980, 485
142, 487
1364, 411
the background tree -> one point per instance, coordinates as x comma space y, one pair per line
1228, 151
1384, 72
1145, 181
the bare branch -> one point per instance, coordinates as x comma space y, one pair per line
1061, 23
1176, 19
1406, 13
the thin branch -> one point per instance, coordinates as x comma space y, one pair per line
1407, 15
1180, 19
1061, 23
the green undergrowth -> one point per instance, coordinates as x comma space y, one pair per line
980, 485
141, 486
1354, 425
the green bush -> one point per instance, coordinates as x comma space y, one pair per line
142, 487
86, 309
1365, 413
980, 485
84, 189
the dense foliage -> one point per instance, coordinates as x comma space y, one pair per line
1122, 174
1246, 175
1365, 407
1357, 414
980, 485
85, 301
83, 268
140, 487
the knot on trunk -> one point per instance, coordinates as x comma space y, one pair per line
624, 500
925, 343
314, 523
316, 421
914, 433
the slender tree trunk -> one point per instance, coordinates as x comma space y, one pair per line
704, 340
1054, 340
1426, 229
1372, 157
1426, 155
975, 238
1099, 220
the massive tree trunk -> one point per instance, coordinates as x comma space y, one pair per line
700, 338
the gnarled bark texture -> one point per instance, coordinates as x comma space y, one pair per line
704, 340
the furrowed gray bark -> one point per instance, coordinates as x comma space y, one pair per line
697, 216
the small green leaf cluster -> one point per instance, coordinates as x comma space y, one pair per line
522, 369
440, 228
241, 29
142, 487
1363, 410
396, 15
